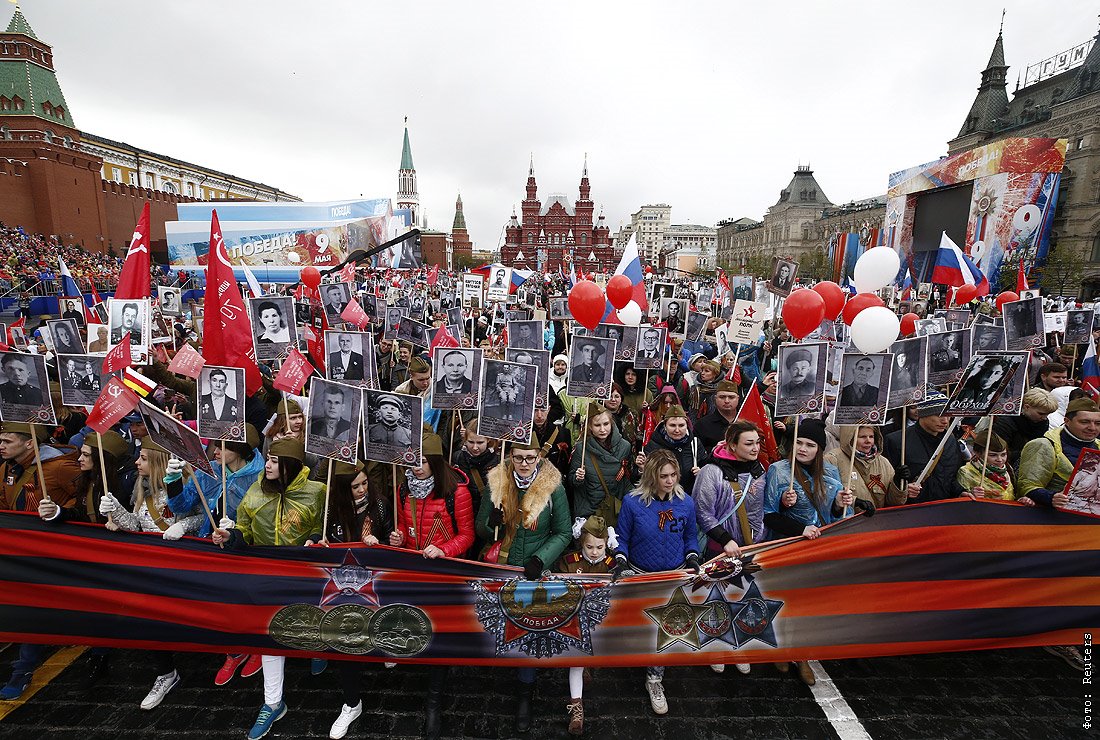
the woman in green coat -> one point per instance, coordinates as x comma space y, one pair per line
600, 469
524, 516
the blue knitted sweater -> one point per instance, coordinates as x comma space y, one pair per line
658, 536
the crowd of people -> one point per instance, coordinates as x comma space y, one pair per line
661, 475
28, 259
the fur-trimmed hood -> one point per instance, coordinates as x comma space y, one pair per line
537, 498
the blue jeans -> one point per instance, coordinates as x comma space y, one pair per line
30, 657
526, 674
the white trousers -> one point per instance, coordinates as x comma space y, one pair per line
273, 679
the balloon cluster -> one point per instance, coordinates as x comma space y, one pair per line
588, 304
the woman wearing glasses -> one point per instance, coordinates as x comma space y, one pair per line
524, 515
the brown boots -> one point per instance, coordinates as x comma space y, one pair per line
575, 710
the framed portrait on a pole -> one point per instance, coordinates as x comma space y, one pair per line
591, 367
908, 372
626, 340
130, 316
652, 346
540, 358
948, 355
82, 378
801, 378
394, 427
221, 392
332, 420
347, 356
984, 380
274, 331
507, 400
1024, 329
455, 374
25, 389
864, 389
175, 436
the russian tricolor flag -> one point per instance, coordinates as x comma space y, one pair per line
955, 269
1090, 371
69, 288
631, 266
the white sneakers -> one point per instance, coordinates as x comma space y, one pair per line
743, 667
656, 691
160, 689
343, 722
718, 667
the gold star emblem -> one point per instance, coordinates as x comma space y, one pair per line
676, 621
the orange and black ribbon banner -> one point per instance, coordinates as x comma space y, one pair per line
956, 575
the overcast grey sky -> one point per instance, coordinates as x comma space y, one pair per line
707, 106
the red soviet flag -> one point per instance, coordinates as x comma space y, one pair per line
354, 314
134, 280
227, 336
114, 402
119, 357
294, 373
443, 338
753, 410
187, 362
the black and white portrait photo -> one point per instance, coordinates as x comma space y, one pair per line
332, 423
1079, 326
82, 378
908, 372
650, 352
982, 383
25, 389
801, 378
394, 428
370, 304
673, 313
660, 291
864, 389
335, 297
957, 318
516, 314
948, 354
1010, 402
626, 339
175, 436
696, 323
499, 285
130, 316
559, 309
742, 287
591, 366
987, 337
783, 276
412, 331
455, 374
924, 327
98, 334
540, 358
454, 315
507, 400
221, 403
170, 300
394, 314
65, 336
525, 334
73, 308
1024, 324
273, 329
346, 361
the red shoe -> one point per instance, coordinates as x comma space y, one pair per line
252, 666
229, 669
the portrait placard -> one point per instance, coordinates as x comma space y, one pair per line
175, 436
66, 337
82, 378
746, 323
274, 331
801, 378
455, 373
169, 299
348, 353
1011, 400
500, 284
1083, 487
394, 427
783, 277
673, 312
130, 315
864, 389
507, 400
394, 314
72, 307
525, 334
743, 287
333, 420
1079, 323
1024, 324
908, 372
540, 358
591, 367
559, 309
472, 289
25, 389
335, 297
626, 340
412, 331
986, 377
696, 324
650, 352
987, 337
660, 291
221, 403
948, 355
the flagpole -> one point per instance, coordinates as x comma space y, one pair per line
985, 455
225, 505
102, 473
38, 463
202, 498
496, 530
328, 489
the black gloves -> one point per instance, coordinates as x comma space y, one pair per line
622, 568
692, 562
902, 475
532, 569
496, 517
866, 506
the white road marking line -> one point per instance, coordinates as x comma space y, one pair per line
835, 706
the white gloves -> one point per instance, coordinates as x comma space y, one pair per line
47, 509
226, 523
174, 531
108, 504
175, 466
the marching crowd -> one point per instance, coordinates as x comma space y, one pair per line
662, 475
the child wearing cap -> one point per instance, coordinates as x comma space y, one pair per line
997, 481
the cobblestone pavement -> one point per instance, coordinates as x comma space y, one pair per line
1022, 694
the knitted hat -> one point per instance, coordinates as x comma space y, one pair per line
288, 447
694, 358
31, 430
1077, 404
675, 412
111, 442
289, 406
419, 365
432, 445
562, 358
933, 404
813, 430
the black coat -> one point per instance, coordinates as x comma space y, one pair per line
920, 446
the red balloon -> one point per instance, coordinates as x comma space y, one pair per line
965, 294
1007, 297
803, 311
834, 297
859, 302
587, 304
311, 278
909, 324
620, 291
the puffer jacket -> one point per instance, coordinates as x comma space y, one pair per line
287, 519
541, 526
658, 536
591, 495
874, 479
716, 501
431, 523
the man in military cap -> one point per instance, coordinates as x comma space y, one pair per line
711, 428
589, 369
20, 390
800, 378
386, 427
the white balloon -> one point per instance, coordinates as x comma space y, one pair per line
630, 314
874, 329
876, 268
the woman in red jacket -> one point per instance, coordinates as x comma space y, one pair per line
436, 518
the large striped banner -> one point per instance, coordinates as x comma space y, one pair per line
955, 575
